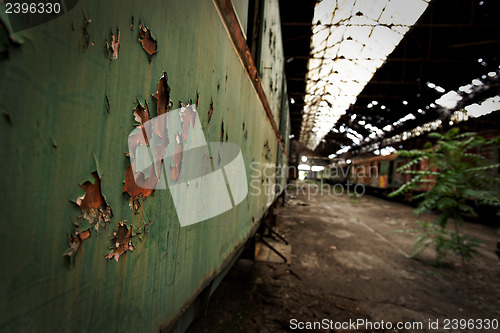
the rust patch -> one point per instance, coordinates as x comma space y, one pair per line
135, 192
163, 96
123, 242
96, 214
176, 169
141, 115
132, 24
84, 235
210, 111
114, 46
222, 131
75, 241
93, 204
93, 197
147, 41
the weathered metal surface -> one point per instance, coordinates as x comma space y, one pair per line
69, 88
226, 10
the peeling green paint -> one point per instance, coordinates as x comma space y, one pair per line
67, 111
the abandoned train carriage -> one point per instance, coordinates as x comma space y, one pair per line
86, 248
380, 173
377, 172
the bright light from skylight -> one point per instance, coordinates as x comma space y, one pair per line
449, 100
387, 151
304, 167
351, 40
317, 168
476, 110
343, 150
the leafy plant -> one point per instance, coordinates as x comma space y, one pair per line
444, 241
354, 197
454, 177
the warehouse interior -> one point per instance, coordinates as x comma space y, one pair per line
443, 73
250, 166
450, 49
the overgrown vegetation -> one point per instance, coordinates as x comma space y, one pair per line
455, 179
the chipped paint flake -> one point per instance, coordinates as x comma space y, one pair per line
147, 41
96, 214
175, 170
86, 35
93, 204
135, 192
141, 116
141, 113
123, 242
75, 242
188, 116
163, 96
114, 46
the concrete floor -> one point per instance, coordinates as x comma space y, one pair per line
348, 263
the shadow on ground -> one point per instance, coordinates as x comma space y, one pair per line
348, 264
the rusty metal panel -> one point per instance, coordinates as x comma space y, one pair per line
86, 250
272, 62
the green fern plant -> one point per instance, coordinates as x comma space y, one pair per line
455, 177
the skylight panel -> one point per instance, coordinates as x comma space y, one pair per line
351, 40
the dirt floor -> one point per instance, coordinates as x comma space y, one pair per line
348, 264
